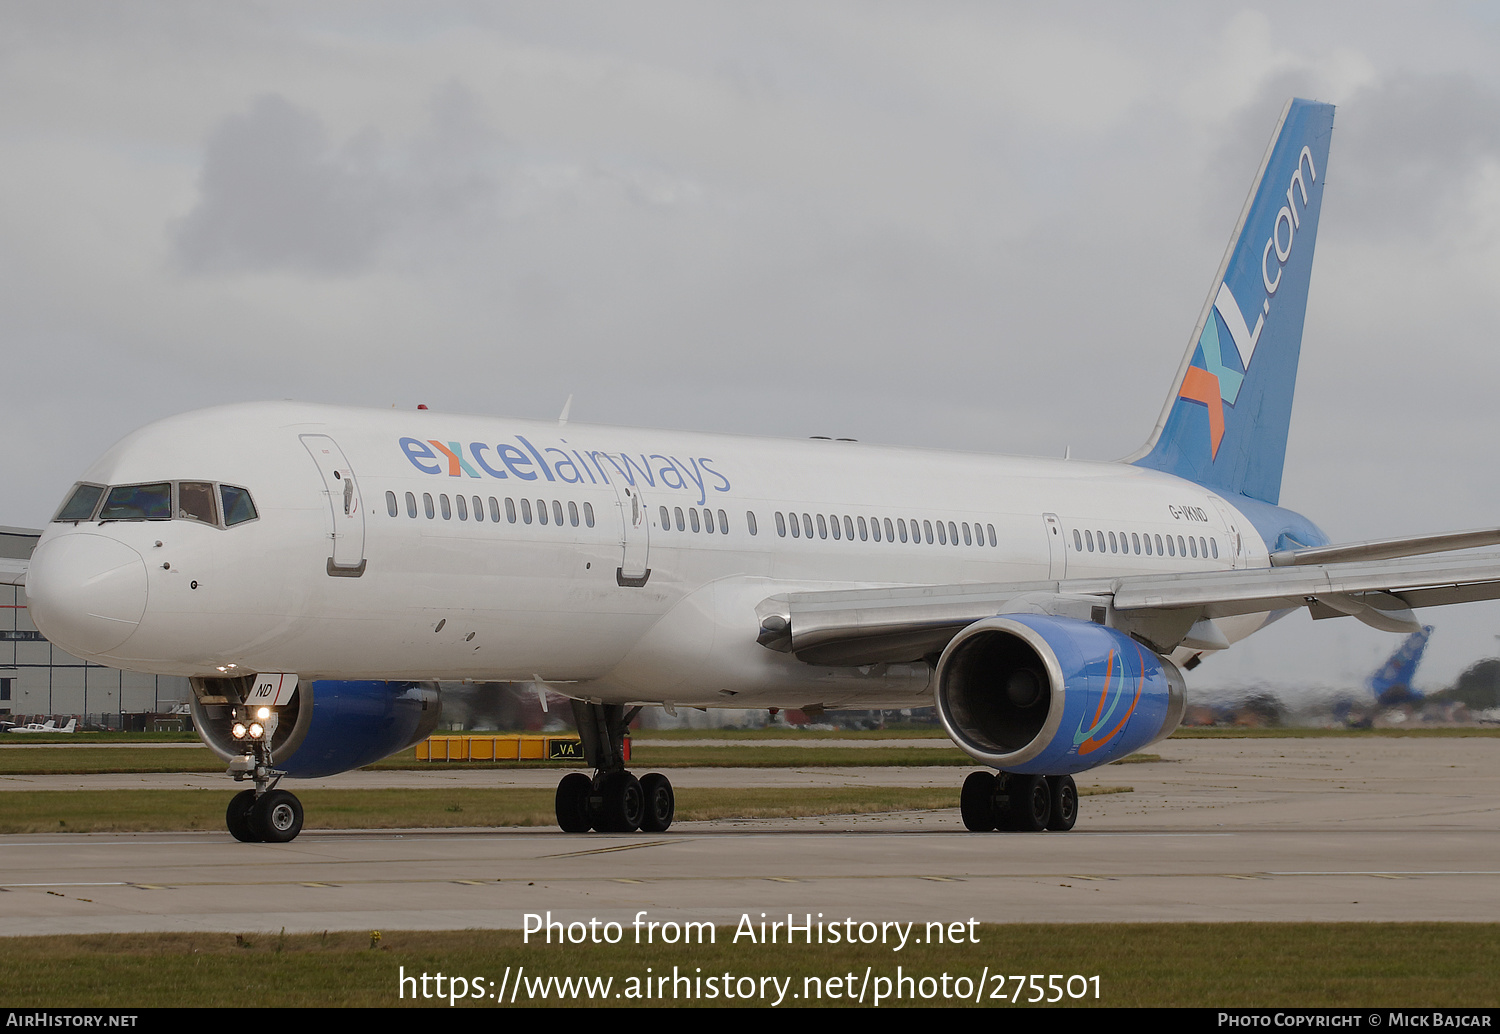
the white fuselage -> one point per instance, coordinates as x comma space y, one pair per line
455, 596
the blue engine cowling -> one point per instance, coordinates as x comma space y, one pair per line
1044, 695
332, 726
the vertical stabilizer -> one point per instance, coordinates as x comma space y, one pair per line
1225, 422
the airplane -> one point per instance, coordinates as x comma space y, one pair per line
317, 570
1391, 684
49, 726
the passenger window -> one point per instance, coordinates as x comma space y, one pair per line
525, 511
888, 536
724, 523
953, 533
510, 510
1077, 541
427, 506
849, 527
927, 527
681, 523
138, 503
1171, 547
942, 534
991, 528
1192, 545
875, 529
478, 509
557, 512
807, 525
411, 505
822, 527
1214, 544
588, 514
968, 539
391, 506
447, 507
780, 524
495, 511
838, 532
1112, 546
901, 527
864, 533
80, 505
463, 508
796, 526
666, 520
750, 521
1181, 547
541, 511
1159, 550
573, 513
708, 520
693, 517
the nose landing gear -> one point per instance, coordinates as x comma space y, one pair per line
264, 814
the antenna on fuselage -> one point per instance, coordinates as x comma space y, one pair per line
563, 416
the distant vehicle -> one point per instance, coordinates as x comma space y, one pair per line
49, 726
1391, 683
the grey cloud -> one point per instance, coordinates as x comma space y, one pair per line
1406, 148
277, 194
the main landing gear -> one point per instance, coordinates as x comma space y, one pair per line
1008, 800
264, 814
614, 800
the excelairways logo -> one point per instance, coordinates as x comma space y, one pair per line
1210, 380
521, 460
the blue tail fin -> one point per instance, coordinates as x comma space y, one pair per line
1225, 423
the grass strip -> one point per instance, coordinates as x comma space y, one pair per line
1213, 965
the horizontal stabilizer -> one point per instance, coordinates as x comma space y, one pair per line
1386, 549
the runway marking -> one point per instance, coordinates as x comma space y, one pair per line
942, 879
1238, 876
610, 850
301, 883
782, 879
473, 883
112, 883
622, 879
146, 886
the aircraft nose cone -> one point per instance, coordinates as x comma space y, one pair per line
86, 592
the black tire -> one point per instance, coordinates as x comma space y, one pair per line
277, 817
660, 803
572, 803
616, 805
976, 802
237, 817
1064, 794
1030, 803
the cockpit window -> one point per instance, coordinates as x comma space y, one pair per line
138, 502
238, 507
195, 501
80, 505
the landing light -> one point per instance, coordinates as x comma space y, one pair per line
263, 713
239, 730
257, 730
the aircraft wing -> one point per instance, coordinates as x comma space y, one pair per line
869, 626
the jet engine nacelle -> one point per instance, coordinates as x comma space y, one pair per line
1038, 694
330, 726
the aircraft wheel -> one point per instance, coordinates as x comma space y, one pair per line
1064, 794
237, 817
660, 803
617, 805
1030, 804
976, 802
572, 803
277, 817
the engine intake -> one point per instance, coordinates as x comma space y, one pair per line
1038, 694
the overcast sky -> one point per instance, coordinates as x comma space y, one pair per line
973, 226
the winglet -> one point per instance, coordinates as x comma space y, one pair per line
1225, 422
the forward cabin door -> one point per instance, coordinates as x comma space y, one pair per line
344, 506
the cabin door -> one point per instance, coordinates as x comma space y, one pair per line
345, 510
635, 535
